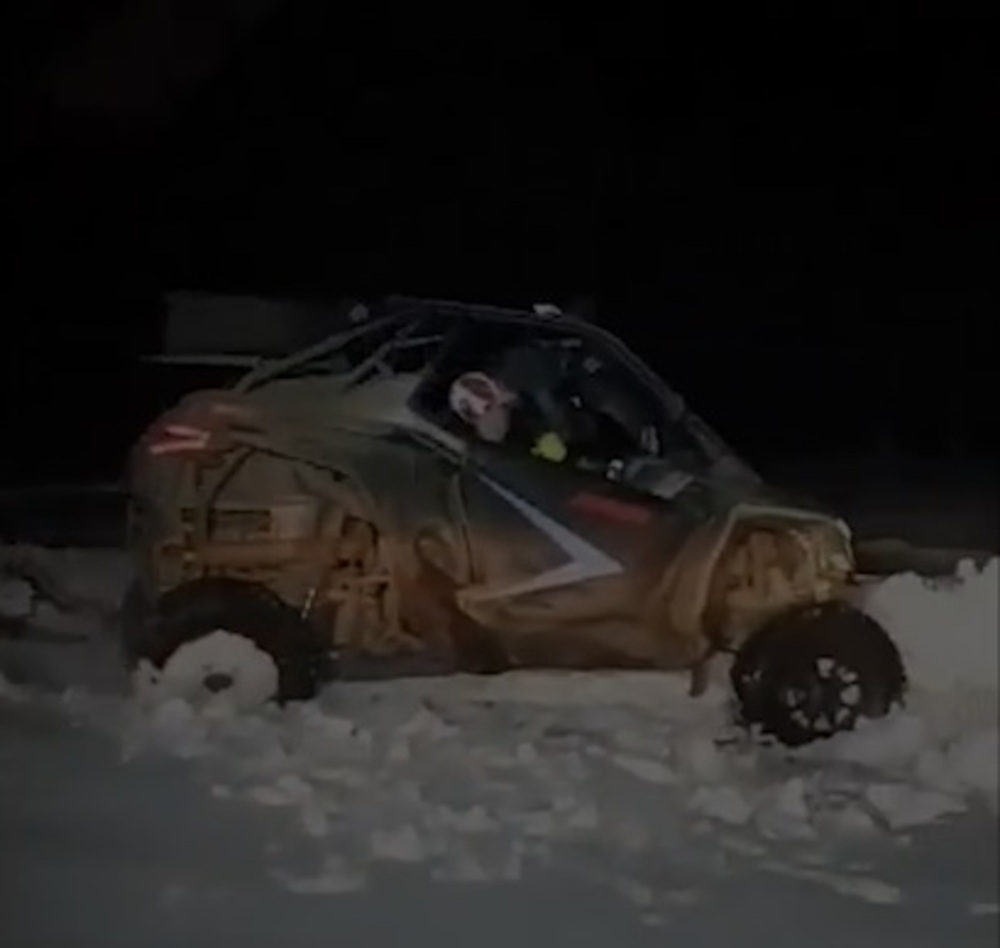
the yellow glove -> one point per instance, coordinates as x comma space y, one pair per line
550, 447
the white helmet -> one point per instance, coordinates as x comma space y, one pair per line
483, 403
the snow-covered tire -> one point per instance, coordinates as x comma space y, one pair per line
816, 671
222, 634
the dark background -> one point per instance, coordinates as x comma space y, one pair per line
789, 219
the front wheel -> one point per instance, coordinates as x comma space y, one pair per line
816, 671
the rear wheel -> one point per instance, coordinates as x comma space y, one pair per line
222, 635
816, 671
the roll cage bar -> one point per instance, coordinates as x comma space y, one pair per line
398, 318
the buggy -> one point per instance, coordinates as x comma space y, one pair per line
329, 516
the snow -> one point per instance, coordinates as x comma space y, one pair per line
252, 673
17, 600
541, 792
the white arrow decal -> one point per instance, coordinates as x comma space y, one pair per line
585, 560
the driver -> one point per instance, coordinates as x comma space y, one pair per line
497, 416
560, 383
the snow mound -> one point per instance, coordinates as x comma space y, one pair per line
250, 674
948, 633
947, 630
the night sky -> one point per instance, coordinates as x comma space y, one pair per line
790, 219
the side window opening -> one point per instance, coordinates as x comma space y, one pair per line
561, 382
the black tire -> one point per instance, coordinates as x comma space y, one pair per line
194, 609
814, 672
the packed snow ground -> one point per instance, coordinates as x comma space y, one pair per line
529, 794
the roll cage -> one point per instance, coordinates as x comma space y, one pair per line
393, 327
403, 335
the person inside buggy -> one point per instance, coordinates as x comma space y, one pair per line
548, 401
554, 395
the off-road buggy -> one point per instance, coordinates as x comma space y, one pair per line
329, 515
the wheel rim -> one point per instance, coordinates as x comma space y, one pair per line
822, 699
220, 666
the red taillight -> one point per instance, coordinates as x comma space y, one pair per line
200, 423
179, 439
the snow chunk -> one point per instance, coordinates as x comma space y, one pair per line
651, 771
252, 673
974, 762
865, 888
902, 806
727, 804
399, 845
785, 812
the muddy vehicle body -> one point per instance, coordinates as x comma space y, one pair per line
331, 509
